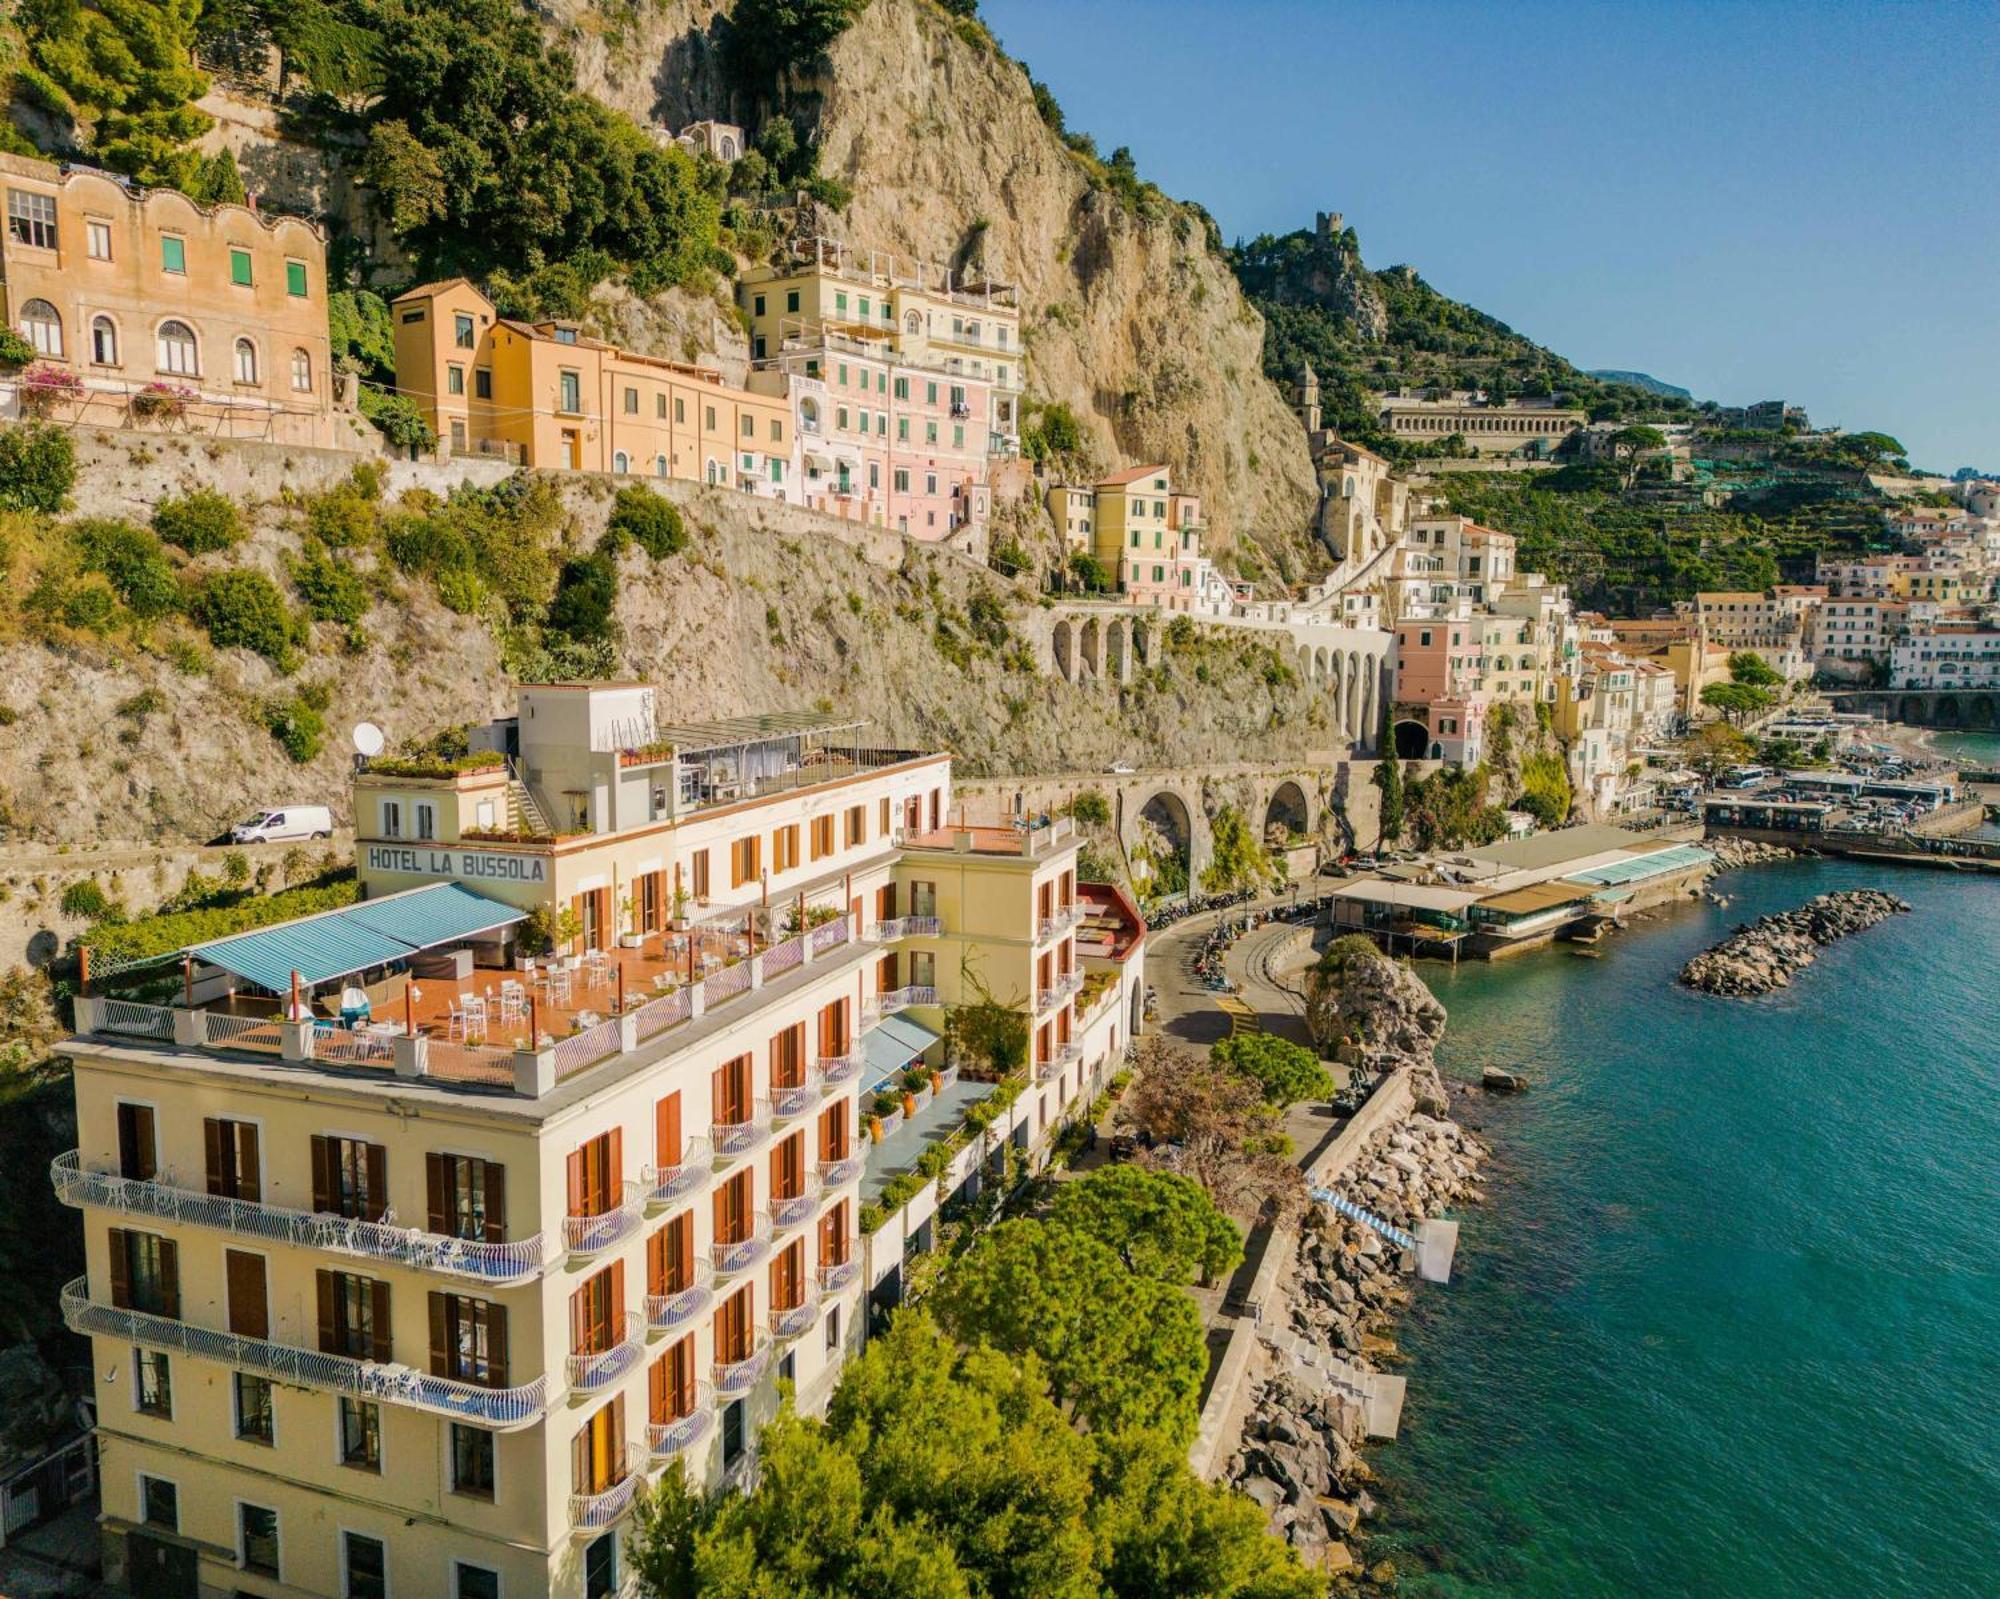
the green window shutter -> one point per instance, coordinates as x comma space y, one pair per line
239, 266
295, 278
173, 254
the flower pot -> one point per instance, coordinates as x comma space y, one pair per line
630, 940
937, 1082
875, 1129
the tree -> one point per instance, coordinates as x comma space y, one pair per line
1237, 860
1736, 700
1747, 666
128, 67
768, 38
1715, 746
1159, 1224
1286, 1072
1089, 572
1389, 779
1091, 808
1629, 443
652, 523
1217, 1124
1119, 1349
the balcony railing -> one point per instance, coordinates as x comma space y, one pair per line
837, 1274
599, 1368
839, 1173
665, 1312
837, 1071
795, 1099
742, 1253
504, 1409
1064, 1055
733, 1377
789, 1210
586, 1235
1049, 998
1063, 920
730, 1139
886, 932
669, 1438
665, 1184
495, 1265
891, 1000
794, 1321
590, 1514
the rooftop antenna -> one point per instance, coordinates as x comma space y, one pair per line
368, 739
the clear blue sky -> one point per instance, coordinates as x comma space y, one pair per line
1754, 200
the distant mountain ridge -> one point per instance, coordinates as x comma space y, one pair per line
1642, 380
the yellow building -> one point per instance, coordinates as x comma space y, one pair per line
548, 395
1074, 512
422, 1235
159, 309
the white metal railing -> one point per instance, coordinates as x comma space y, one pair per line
788, 1210
593, 1512
918, 1101
1049, 998
135, 1020
839, 1173
1063, 920
734, 1377
741, 1254
891, 1122
730, 1139
223, 1031
594, 1369
668, 1438
828, 935
664, 1184
1063, 1056
338, 1043
664, 1312
835, 1275
788, 1100
948, 1078
504, 1409
896, 927
586, 1235
793, 1321
891, 1000
838, 1070
494, 1264
586, 1048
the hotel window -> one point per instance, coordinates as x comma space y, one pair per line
360, 1426
302, 372
349, 1177
670, 1257
482, 382
97, 240
426, 820
295, 279
454, 379
822, 837
159, 1504
857, 825
474, 1582
253, 1409
861, 308
785, 847
902, 388
903, 430
923, 899
791, 299
777, 431
841, 368
364, 1566
138, 1150
902, 480
392, 819
930, 433
145, 1273
31, 218
958, 438
757, 305
745, 860
461, 331
103, 341
239, 268
620, 463
42, 328
471, 1461
631, 402
840, 416
177, 351
152, 1384
353, 1315
468, 1339
708, 417
840, 303
229, 1152
930, 483
257, 1539
569, 397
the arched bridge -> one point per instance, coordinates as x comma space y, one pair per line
1975, 709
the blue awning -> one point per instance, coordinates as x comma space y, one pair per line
355, 937
890, 1045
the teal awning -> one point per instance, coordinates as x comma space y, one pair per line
890, 1045
1639, 868
373, 933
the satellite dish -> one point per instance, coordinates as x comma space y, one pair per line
368, 738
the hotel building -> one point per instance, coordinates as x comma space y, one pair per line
424, 1233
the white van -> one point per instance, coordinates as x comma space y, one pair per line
294, 821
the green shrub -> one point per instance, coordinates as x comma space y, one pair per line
199, 522
88, 900
398, 419
37, 468
134, 562
15, 351
343, 518
243, 609
297, 726
586, 597
461, 591
84, 601
212, 912
329, 590
426, 544
1286, 1072
1091, 808
650, 522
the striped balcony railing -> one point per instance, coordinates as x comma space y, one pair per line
895, 927
795, 1099
889, 1123
788, 1210
729, 1139
782, 958
794, 1321
733, 1377
665, 1312
741, 1254
599, 1368
1063, 920
504, 1409
829, 935
586, 1235
590, 1514
839, 1173
669, 1438
134, 1020
1049, 998
1052, 1067
836, 1071
587, 1048
665, 1184
835, 1275
495, 1265
668, 1010
725, 984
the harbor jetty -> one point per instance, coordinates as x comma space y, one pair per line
1771, 951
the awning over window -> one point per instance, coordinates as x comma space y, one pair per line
890, 1045
352, 939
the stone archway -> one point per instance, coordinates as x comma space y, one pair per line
1352, 719
1306, 672
1117, 650
1911, 710
1090, 649
1371, 709
1338, 692
1063, 642
1979, 711
1413, 740
1288, 812
1142, 642
1945, 710
1161, 844
1320, 664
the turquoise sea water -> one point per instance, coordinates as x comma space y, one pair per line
1729, 1323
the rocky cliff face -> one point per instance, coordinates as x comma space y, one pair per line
1131, 320
1373, 1012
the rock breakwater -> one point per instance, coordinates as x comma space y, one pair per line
1731, 853
1771, 951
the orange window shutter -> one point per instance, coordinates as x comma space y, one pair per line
667, 1130
614, 1167
615, 1310
576, 1183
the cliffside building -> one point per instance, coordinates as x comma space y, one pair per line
1522, 428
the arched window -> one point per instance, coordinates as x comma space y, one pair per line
728, 148
302, 371
715, 476
621, 463
913, 323
103, 341
246, 361
659, 466
42, 328
178, 352
809, 415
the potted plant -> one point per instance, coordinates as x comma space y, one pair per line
628, 939
535, 939
937, 1081
680, 909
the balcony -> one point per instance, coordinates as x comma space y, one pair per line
887, 932
669, 1438
839, 1173
1063, 920
493, 1265
795, 1321
1049, 998
789, 1210
839, 1070
734, 1377
1064, 1056
795, 1099
837, 1274
665, 1312
600, 1368
741, 1254
891, 1000
665, 1184
587, 1235
503, 1409
730, 1139
590, 1514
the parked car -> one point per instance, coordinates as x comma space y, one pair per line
1121, 769
292, 821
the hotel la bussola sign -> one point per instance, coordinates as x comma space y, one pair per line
466, 865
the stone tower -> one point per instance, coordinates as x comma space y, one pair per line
1309, 398
1329, 225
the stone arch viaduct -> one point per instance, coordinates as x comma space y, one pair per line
1974, 709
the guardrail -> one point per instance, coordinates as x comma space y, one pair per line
1063, 920
669, 1438
599, 1368
664, 1312
839, 1173
1049, 998
895, 927
592, 1513
837, 1274
664, 1184
133, 1020
587, 1048
788, 1210
734, 1377
740, 1254
828, 935
586, 1235
504, 1409
730, 1139
493, 1264
794, 1321
795, 1099
839, 1070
